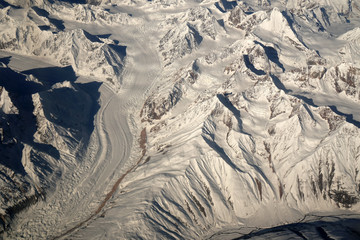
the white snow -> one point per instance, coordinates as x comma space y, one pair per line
206, 128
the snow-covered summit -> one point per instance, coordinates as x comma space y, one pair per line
178, 119
187, 32
77, 47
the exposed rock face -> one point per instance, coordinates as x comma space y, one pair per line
189, 31
170, 94
261, 125
40, 127
253, 111
77, 48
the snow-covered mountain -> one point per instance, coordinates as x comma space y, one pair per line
179, 119
41, 131
31, 32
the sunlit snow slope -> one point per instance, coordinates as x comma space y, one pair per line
179, 119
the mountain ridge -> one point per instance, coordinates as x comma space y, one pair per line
212, 116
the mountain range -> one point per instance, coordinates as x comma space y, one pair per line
179, 119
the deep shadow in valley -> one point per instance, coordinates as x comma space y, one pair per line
69, 106
59, 24
72, 107
348, 117
346, 228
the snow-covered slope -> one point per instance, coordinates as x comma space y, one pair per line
218, 118
28, 32
187, 32
41, 132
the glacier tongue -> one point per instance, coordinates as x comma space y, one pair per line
179, 119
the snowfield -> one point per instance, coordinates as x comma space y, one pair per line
179, 119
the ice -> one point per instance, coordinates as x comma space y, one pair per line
179, 119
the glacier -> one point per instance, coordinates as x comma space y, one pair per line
179, 119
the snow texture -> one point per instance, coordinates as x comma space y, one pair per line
179, 119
